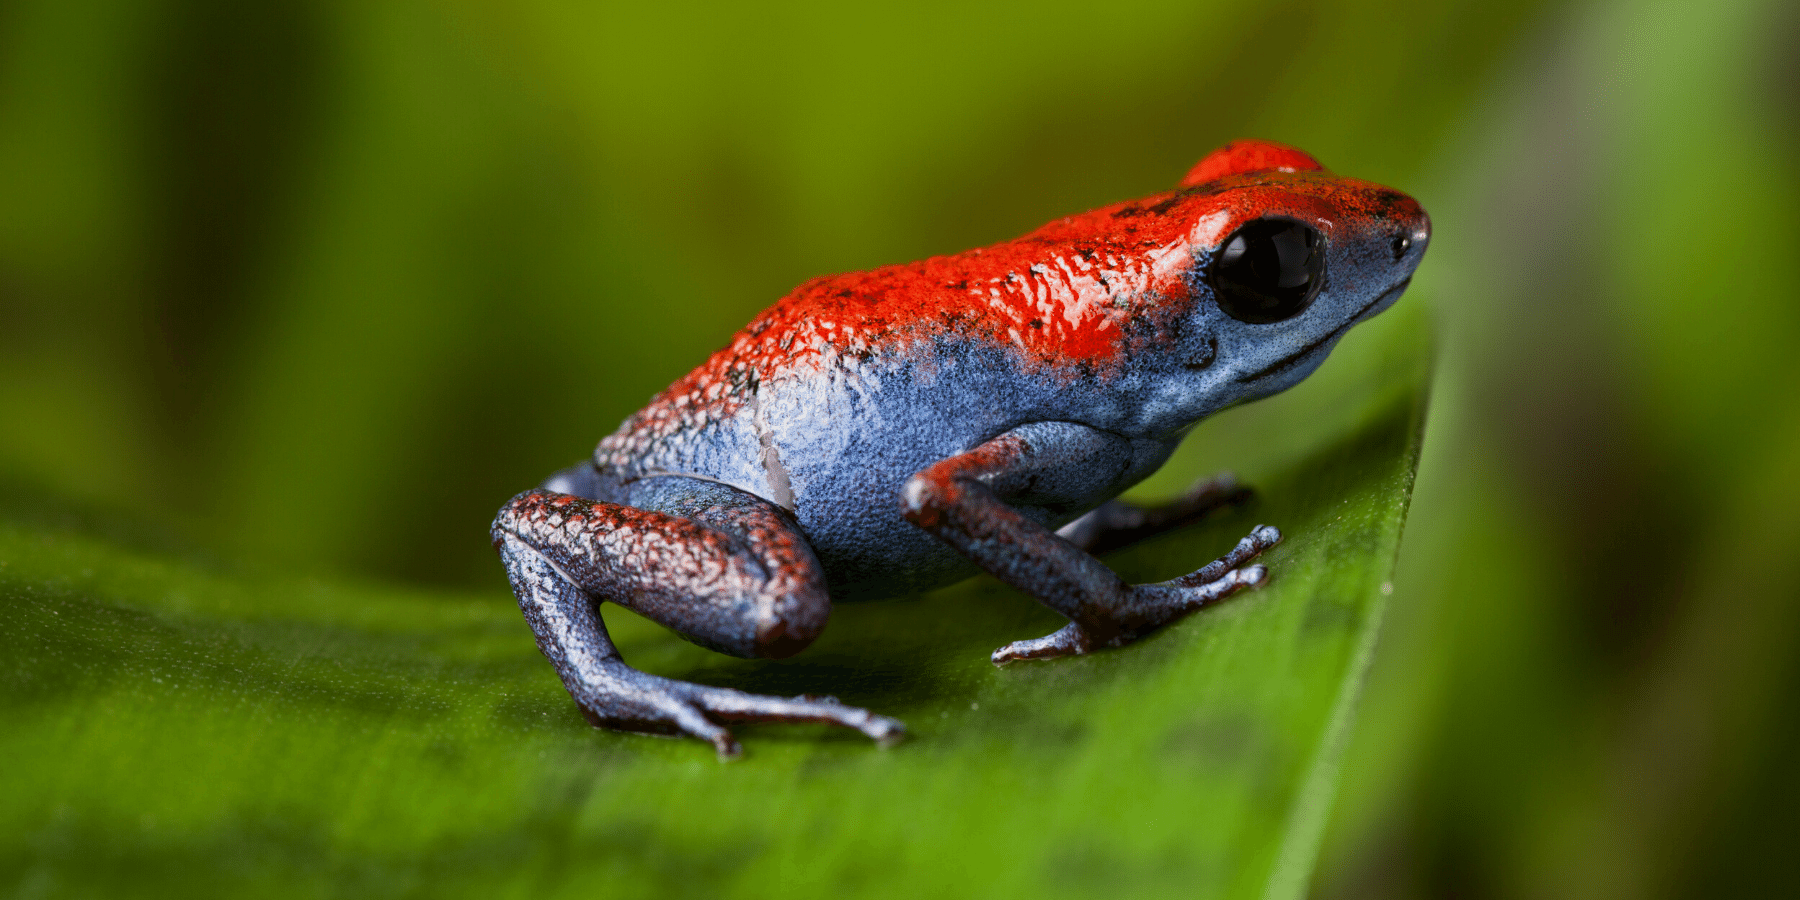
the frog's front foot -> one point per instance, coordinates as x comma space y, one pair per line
1151, 606
625, 699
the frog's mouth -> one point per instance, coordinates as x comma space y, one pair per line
1294, 358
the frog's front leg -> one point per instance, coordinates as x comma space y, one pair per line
721, 567
964, 500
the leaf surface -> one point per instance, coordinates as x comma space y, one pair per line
174, 728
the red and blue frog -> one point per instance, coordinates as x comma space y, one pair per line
886, 432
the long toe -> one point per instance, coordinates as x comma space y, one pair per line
1260, 538
737, 706
1195, 597
886, 732
692, 722
1069, 641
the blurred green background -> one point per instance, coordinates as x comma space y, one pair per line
320, 284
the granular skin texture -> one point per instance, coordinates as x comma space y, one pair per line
883, 432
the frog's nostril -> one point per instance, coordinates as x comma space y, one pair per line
1401, 244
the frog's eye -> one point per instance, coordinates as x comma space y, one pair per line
1269, 270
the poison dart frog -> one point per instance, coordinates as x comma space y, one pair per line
886, 432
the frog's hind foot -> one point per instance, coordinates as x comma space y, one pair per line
1152, 606
630, 700
725, 569
725, 704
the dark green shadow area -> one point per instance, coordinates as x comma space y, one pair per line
176, 728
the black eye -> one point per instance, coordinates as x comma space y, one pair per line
1269, 270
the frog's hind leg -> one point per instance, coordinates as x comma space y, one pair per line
723, 568
1118, 523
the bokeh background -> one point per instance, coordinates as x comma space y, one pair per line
320, 284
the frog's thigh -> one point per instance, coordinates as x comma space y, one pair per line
724, 568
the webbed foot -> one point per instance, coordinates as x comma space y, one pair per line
628, 700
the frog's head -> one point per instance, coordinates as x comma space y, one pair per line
1286, 258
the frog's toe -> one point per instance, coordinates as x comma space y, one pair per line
1193, 597
736, 706
1152, 606
886, 732
694, 724
1071, 640
1260, 538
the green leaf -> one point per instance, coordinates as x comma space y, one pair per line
174, 728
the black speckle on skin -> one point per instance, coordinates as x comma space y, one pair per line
1162, 209
1390, 200
1195, 277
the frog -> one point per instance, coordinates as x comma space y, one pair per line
888, 432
